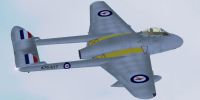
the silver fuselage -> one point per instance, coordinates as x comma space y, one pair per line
150, 43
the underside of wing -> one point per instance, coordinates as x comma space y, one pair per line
103, 20
134, 72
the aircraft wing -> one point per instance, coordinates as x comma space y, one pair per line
103, 20
135, 73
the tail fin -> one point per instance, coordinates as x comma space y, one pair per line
24, 46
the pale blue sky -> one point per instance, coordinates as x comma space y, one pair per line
56, 18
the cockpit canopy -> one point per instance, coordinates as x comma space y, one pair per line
155, 31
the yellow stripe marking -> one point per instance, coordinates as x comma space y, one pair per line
117, 53
121, 53
93, 42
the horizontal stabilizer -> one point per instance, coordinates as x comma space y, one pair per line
117, 84
157, 78
24, 46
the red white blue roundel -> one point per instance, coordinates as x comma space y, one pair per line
105, 13
67, 65
140, 78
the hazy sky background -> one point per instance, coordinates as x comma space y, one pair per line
57, 18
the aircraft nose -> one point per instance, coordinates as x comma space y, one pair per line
171, 42
177, 41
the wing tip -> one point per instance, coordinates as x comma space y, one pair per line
97, 3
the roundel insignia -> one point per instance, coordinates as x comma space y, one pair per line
105, 13
140, 78
67, 65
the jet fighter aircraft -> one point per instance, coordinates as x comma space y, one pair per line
111, 44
